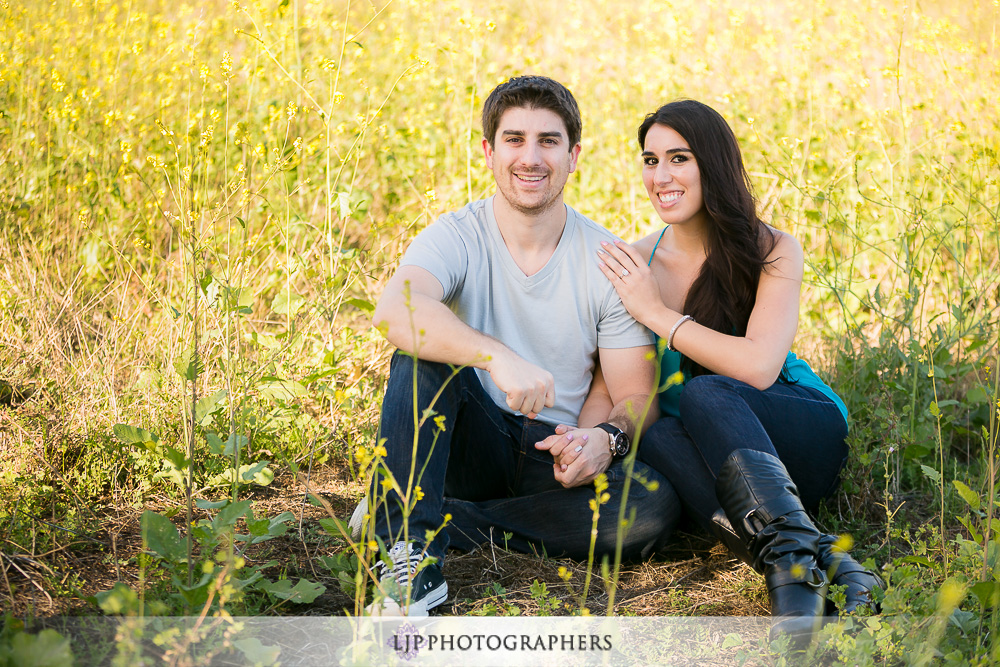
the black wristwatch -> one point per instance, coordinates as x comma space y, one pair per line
620, 442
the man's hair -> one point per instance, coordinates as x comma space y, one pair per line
532, 92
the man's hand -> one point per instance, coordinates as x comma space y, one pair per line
579, 454
528, 387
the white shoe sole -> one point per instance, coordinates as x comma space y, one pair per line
389, 608
357, 523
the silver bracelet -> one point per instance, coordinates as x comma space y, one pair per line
673, 330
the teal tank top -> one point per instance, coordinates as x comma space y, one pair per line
796, 371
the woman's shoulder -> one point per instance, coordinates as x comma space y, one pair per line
785, 253
782, 244
646, 244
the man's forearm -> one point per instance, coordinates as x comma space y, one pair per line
428, 329
415, 319
635, 413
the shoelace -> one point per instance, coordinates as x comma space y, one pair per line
405, 559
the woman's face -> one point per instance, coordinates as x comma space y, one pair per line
671, 176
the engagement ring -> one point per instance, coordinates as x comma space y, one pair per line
624, 272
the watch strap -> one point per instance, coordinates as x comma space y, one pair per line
615, 436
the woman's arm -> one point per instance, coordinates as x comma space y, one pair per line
756, 358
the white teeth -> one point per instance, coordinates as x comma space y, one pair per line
531, 179
667, 197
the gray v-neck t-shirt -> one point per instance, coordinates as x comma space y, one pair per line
556, 319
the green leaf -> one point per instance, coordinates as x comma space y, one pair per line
258, 527
210, 504
931, 474
258, 473
120, 600
235, 444
361, 304
277, 526
815, 216
133, 435
186, 366
175, 456
172, 473
344, 202
731, 640
249, 471
918, 560
968, 495
266, 529
975, 345
229, 514
334, 526
46, 649
934, 409
282, 390
256, 653
287, 303
977, 395
208, 406
215, 444
161, 537
988, 593
303, 592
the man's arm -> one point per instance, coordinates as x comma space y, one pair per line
414, 319
630, 374
620, 397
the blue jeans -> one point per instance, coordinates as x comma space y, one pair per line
719, 415
482, 468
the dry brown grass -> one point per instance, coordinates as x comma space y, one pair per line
691, 576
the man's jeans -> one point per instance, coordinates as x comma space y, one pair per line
479, 464
718, 415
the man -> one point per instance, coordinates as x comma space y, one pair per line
508, 290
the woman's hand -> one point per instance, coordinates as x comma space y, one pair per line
632, 279
579, 454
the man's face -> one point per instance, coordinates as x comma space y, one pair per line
531, 159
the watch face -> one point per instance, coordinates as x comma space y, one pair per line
620, 442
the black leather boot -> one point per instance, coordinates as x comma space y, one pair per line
843, 570
840, 568
764, 509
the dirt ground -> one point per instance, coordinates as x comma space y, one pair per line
691, 576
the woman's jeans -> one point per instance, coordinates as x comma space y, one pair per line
479, 464
719, 415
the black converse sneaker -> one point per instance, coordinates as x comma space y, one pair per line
427, 588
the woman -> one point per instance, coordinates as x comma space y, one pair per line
751, 425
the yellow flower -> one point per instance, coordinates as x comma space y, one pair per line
843, 543
227, 65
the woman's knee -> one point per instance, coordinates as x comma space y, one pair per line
705, 392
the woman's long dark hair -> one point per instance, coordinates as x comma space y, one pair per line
738, 242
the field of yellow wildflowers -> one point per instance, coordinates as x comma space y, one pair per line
200, 202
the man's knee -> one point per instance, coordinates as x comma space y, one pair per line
403, 366
657, 510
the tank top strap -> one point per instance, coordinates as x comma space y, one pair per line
658, 239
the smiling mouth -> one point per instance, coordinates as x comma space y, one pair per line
669, 197
530, 178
